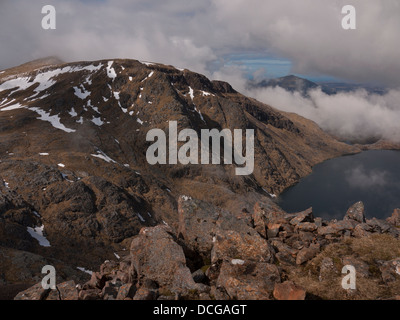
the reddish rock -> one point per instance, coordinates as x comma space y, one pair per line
35, 292
258, 220
337, 227
145, 294
230, 245
110, 290
68, 290
248, 280
395, 218
53, 295
126, 291
304, 216
289, 291
362, 230
390, 270
155, 255
307, 254
90, 294
327, 269
197, 221
306, 226
356, 212
273, 230
361, 267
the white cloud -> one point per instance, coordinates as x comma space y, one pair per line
359, 177
192, 33
354, 115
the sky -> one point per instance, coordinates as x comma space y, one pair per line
265, 38
231, 40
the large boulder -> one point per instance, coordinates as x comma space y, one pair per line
36, 292
156, 255
247, 280
390, 270
395, 218
337, 227
231, 244
307, 254
197, 224
68, 290
382, 226
304, 216
356, 212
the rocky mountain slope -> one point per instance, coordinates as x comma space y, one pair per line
75, 185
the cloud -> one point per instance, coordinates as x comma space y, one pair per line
360, 178
354, 115
194, 34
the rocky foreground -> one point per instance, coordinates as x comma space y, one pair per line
264, 254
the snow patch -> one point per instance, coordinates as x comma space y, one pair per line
270, 194
149, 76
85, 270
81, 93
72, 113
140, 217
147, 63
110, 71
199, 112
186, 198
191, 93
54, 120
97, 121
12, 107
37, 233
206, 94
101, 155
6, 184
237, 261
44, 80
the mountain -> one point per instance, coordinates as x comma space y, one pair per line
290, 83
293, 83
75, 183
337, 87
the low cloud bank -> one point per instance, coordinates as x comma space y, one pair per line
355, 116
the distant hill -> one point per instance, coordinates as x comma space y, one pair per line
293, 83
290, 83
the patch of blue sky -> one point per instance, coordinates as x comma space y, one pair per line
269, 67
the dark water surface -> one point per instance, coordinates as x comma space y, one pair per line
371, 176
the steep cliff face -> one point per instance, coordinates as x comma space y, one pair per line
73, 167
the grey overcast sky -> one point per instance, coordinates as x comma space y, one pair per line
219, 38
